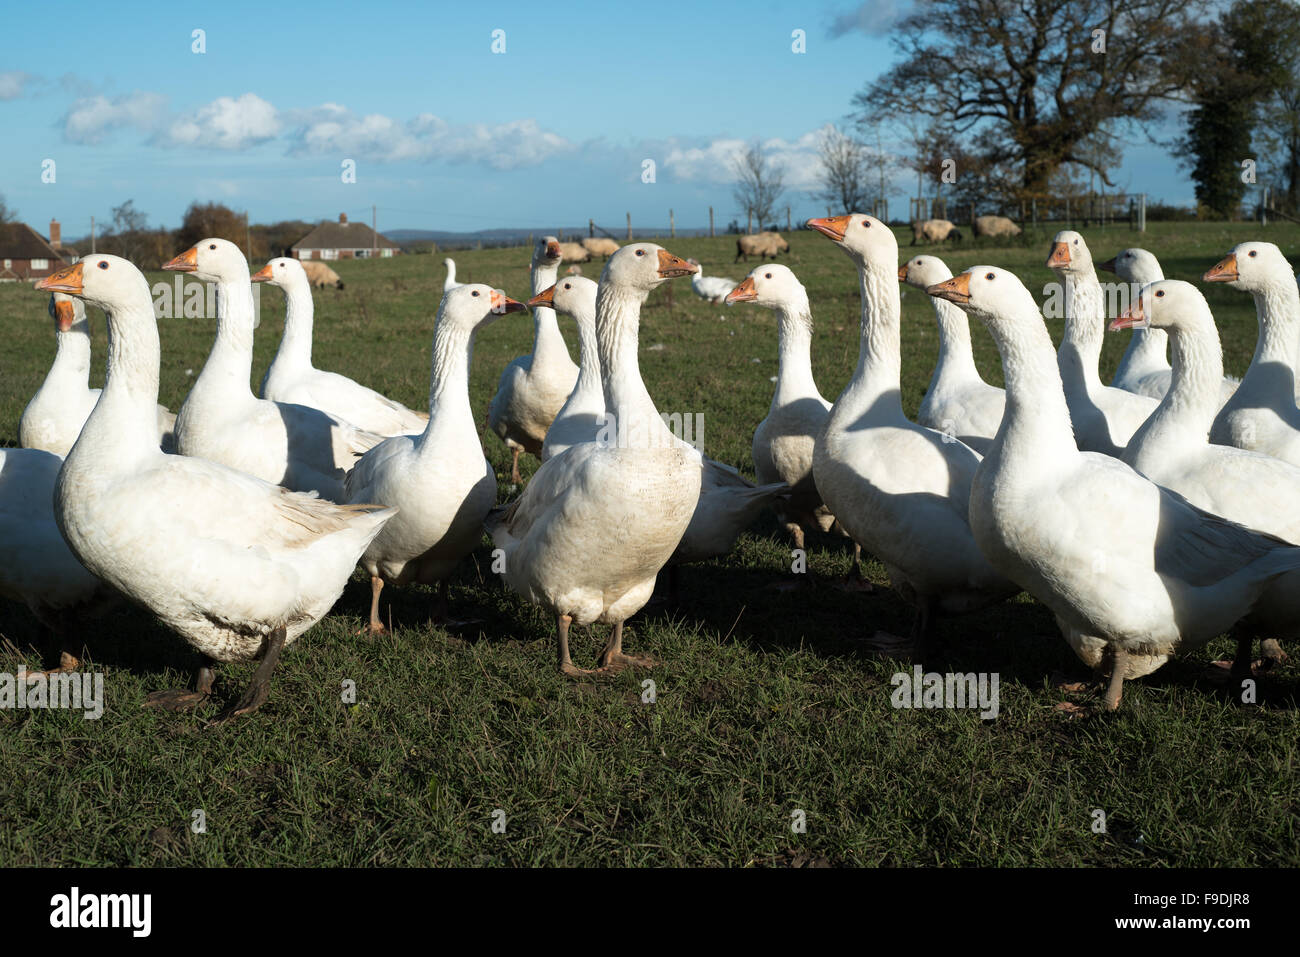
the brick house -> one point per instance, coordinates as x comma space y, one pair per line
344, 240
25, 254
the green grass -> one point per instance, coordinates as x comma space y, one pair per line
766, 702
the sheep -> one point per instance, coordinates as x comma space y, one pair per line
765, 245
996, 226
574, 253
934, 231
320, 275
599, 246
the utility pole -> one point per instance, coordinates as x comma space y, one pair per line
672, 225
629, 227
248, 244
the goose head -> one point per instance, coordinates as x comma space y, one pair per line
285, 272
572, 296
546, 252
772, 286
67, 312
995, 296
449, 263
644, 266
476, 305
1163, 304
1070, 254
1134, 265
863, 238
109, 282
1250, 267
924, 271
212, 260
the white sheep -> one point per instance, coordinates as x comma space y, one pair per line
996, 226
600, 246
934, 231
765, 245
321, 275
574, 253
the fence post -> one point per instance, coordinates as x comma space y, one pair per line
1033, 208
672, 225
591, 228
749, 223
787, 219
629, 227
1142, 212
710, 222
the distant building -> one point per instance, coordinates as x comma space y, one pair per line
344, 240
25, 254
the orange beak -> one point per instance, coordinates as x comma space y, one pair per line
832, 226
64, 314
262, 275
502, 304
1130, 317
552, 250
1223, 271
1108, 265
745, 292
1060, 257
902, 273
187, 261
670, 266
956, 289
544, 298
65, 280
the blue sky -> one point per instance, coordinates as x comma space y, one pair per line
445, 133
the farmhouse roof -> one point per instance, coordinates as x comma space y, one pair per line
20, 241
344, 235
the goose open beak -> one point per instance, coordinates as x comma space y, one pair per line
1131, 318
552, 250
65, 280
956, 289
64, 314
745, 292
1223, 271
262, 275
544, 298
1108, 265
832, 226
670, 266
902, 273
1060, 257
187, 261
502, 304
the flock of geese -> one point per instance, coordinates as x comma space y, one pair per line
1150, 515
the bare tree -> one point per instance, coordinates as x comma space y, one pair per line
759, 183
7, 215
125, 234
845, 173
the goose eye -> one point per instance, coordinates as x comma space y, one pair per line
1159, 293
767, 275
989, 275
567, 286
866, 223
474, 293
640, 252
1252, 253
212, 245
102, 264
1076, 242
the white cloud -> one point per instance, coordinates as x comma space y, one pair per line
873, 17
12, 83
225, 124
331, 128
92, 118
714, 162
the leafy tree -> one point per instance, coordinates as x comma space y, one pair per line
209, 220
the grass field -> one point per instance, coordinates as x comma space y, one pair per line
766, 702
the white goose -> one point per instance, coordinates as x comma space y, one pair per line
1103, 417
39, 570
1172, 448
54, 416
958, 402
712, 288
533, 388
438, 479
583, 413
1132, 571
236, 566
784, 441
1262, 415
898, 488
1144, 367
450, 282
293, 379
591, 531
221, 420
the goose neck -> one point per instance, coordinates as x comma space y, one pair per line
589, 378
1195, 385
955, 352
1080, 350
230, 363
126, 415
794, 378
875, 382
628, 406
1036, 423
449, 405
72, 356
295, 345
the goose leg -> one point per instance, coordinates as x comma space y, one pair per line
442, 611
182, 700
56, 647
923, 632
855, 580
514, 466
1118, 668
567, 667
1243, 659
376, 627
259, 689
1272, 653
613, 658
